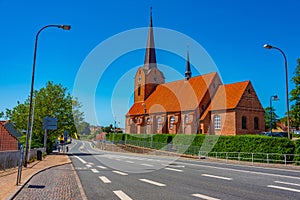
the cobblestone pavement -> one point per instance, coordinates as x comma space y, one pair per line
56, 183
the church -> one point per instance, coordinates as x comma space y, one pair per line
194, 105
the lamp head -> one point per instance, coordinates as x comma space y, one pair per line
267, 46
275, 98
65, 27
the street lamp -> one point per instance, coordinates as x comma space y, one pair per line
29, 125
144, 105
267, 46
272, 98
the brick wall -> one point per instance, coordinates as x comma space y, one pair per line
7, 141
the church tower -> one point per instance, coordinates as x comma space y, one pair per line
148, 76
188, 72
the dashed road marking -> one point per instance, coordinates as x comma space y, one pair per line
152, 182
129, 161
122, 195
95, 170
102, 167
147, 165
88, 165
287, 183
104, 179
219, 177
171, 169
202, 196
121, 173
283, 188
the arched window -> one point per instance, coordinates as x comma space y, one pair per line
186, 119
244, 122
217, 122
172, 120
139, 90
159, 125
256, 127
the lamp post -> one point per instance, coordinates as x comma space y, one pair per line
29, 125
267, 46
272, 98
144, 105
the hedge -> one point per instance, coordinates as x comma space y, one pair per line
211, 143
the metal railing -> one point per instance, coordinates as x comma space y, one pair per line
252, 157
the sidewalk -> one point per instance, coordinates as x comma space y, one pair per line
46, 171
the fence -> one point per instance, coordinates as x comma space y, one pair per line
238, 156
11, 159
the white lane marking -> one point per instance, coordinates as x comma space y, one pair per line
176, 166
245, 171
204, 197
219, 177
118, 159
88, 165
95, 170
91, 163
171, 169
104, 179
121, 173
81, 160
122, 195
152, 182
283, 188
102, 167
147, 165
129, 161
287, 183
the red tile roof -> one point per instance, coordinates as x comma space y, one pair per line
227, 97
175, 96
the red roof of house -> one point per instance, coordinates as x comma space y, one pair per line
175, 96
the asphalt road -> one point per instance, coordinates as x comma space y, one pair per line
111, 175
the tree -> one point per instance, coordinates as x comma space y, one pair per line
1, 115
295, 98
268, 111
52, 101
83, 128
108, 129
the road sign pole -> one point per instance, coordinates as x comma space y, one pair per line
45, 140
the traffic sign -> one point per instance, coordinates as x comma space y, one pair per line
49, 123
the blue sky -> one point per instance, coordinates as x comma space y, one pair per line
232, 32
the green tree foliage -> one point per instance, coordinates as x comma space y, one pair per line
295, 98
268, 111
83, 128
1, 115
52, 101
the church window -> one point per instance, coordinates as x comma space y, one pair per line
244, 122
172, 121
159, 125
217, 122
186, 119
139, 90
256, 127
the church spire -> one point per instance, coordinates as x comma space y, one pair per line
150, 57
188, 72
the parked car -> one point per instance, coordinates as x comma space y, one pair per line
275, 134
